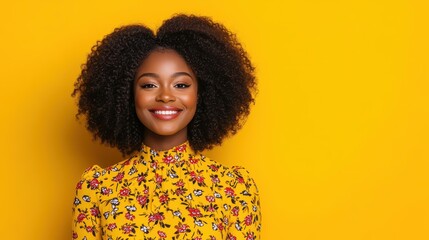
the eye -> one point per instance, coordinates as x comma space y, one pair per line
182, 85
148, 85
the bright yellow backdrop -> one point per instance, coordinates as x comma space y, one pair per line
338, 141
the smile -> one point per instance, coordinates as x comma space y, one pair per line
165, 114
169, 112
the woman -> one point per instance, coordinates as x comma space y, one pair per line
162, 99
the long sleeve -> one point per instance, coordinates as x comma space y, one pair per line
245, 212
85, 211
171, 194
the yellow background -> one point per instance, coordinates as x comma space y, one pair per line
338, 141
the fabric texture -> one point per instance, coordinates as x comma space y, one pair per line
171, 194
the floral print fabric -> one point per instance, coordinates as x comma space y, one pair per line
171, 194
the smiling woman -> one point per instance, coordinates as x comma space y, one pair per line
161, 99
165, 95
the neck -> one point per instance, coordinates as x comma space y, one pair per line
161, 142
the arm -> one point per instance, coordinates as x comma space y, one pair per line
245, 212
85, 212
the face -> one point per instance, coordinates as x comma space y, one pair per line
165, 93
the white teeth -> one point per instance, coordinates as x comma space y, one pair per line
166, 112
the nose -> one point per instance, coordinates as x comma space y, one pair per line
165, 95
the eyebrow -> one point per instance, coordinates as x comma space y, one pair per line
154, 75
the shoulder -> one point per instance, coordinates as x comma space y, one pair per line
243, 181
236, 177
87, 186
242, 174
94, 175
90, 173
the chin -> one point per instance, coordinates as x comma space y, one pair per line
167, 131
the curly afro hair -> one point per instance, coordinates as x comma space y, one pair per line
225, 75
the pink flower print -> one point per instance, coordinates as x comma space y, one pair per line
213, 167
124, 192
126, 229
154, 165
211, 208
250, 236
111, 226
231, 237
89, 228
94, 183
180, 183
248, 220
240, 180
169, 159
181, 148
198, 178
140, 178
194, 212
94, 211
193, 160
210, 198
156, 217
181, 228
179, 191
220, 226
215, 179
75, 236
79, 185
81, 217
235, 211
158, 178
163, 198
118, 177
129, 216
229, 191
142, 200
162, 234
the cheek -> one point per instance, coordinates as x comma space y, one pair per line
191, 100
140, 100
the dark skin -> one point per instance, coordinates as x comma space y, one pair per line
165, 93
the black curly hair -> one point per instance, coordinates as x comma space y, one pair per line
225, 75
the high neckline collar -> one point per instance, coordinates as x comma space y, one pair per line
174, 154
183, 147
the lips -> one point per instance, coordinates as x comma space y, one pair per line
165, 113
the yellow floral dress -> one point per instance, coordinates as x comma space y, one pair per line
171, 194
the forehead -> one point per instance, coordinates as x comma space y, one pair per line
164, 60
